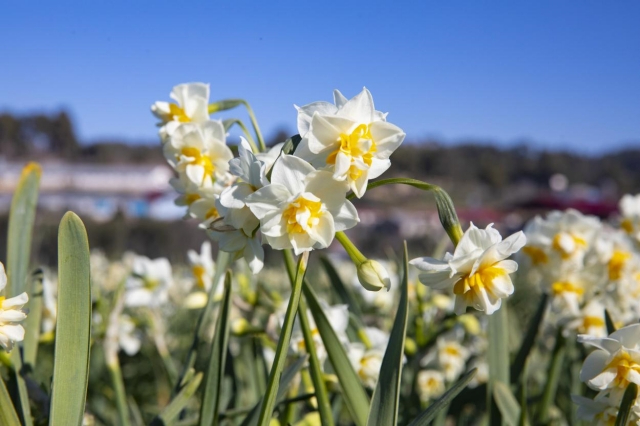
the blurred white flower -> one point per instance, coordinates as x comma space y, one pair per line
149, 283
430, 384
477, 271
368, 361
603, 409
615, 362
200, 152
202, 266
50, 303
301, 208
11, 314
192, 106
630, 211
351, 139
590, 320
452, 356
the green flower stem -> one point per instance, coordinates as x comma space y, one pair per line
446, 210
232, 103
550, 388
161, 345
118, 387
356, 256
247, 134
269, 402
498, 334
256, 128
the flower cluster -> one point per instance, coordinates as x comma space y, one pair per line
295, 200
11, 314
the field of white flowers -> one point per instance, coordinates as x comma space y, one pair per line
535, 328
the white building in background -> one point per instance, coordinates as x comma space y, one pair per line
98, 191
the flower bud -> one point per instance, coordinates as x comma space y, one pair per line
373, 276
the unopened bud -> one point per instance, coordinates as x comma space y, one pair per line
373, 276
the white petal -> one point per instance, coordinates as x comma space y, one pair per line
267, 199
346, 217
291, 171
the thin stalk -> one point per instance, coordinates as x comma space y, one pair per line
121, 397
356, 255
161, 345
246, 132
550, 388
269, 402
498, 358
256, 128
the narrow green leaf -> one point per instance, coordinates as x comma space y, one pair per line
269, 401
344, 292
315, 370
498, 357
8, 415
177, 404
21, 218
287, 377
217, 358
354, 394
528, 340
430, 413
32, 323
507, 404
20, 389
553, 377
73, 329
609, 322
628, 400
386, 396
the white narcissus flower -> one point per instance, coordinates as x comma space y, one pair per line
200, 152
149, 283
630, 211
430, 384
202, 266
478, 271
11, 314
603, 409
615, 362
590, 321
368, 361
302, 208
192, 107
452, 356
351, 139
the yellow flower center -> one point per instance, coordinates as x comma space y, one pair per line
589, 321
451, 350
199, 160
212, 213
560, 287
616, 264
177, 114
474, 284
350, 146
537, 255
302, 207
577, 242
191, 198
150, 284
199, 274
627, 225
2, 299
624, 364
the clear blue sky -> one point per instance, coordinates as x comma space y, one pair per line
565, 74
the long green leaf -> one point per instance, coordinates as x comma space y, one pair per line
553, 377
354, 394
19, 390
269, 401
8, 415
21, 218
287, 377
215, 372
32, 324
177, 404
386, 396
345, 293
507, 404
609, 322
430, 413
628, 400
73, 329
528, 340
498, 357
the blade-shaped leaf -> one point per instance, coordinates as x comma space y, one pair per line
344, 292
171, 411
430, 413
528, 340
628, 400
609, 322
386, 396
287, 377
73, 329
8, 415
507, 404
32, 324
354, 394
215, 372
21, 218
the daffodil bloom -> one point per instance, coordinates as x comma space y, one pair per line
430, 384
351, 139
190, 193
11, 314
616, 361
192, 106
603, 409
202, 266
200, 152
149, 283
452, 356
477, 272
302, 208
630, 211
367, 361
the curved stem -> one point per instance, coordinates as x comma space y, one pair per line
356, 256
256, 128
244, 129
